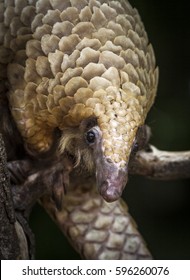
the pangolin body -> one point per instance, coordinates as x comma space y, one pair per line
85, 68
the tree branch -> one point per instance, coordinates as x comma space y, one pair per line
161, 165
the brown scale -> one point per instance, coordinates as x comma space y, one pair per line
69, 61
89, 45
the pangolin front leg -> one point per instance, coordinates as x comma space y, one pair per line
84, 69
29, 184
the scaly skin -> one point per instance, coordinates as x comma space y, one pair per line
70, 63
74, 61
97, 229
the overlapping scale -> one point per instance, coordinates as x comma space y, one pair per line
74, 59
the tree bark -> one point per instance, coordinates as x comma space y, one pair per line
9, 243
161, 165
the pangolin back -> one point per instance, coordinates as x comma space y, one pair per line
69, 60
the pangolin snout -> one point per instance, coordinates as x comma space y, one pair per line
110, 192
111, 180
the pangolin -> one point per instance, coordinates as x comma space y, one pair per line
81, 77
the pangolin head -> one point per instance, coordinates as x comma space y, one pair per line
108, 127
86, 68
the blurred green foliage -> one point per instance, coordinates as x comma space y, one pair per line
161, 209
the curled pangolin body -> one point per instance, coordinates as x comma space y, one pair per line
69, 60
97, 229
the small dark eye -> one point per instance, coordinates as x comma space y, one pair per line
90, 137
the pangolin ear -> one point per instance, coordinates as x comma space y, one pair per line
143, 136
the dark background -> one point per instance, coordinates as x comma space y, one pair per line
161, 209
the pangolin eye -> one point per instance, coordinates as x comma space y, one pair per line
90, 137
